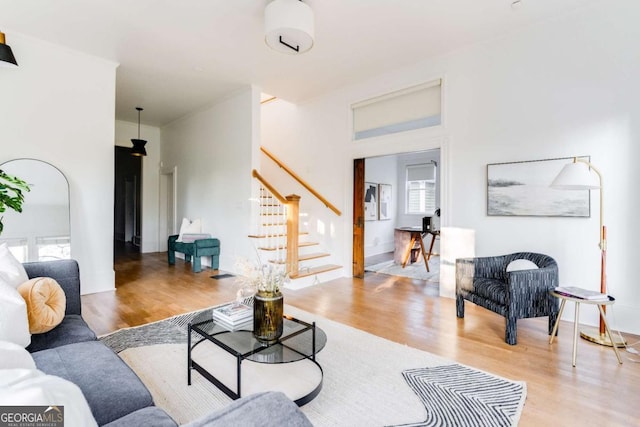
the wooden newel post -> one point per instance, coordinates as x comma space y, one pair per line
293, 215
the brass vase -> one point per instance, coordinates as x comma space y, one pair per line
267, 316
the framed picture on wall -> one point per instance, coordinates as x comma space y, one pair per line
370, 201
384, 205
524, 189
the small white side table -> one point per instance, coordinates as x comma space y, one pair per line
578, 301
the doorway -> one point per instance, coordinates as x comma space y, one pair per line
167, 218
127, 212
375, 227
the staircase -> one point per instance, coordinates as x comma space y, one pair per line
281, 240
278, 233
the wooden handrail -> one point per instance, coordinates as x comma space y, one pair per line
300, 180
292, 203
269, 187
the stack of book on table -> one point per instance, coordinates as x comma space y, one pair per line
575, 292
233, 316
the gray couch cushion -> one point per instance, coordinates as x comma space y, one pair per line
111, 388
66, 273
73, 329
151, 416
270, 409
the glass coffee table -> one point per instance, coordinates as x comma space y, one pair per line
238, 364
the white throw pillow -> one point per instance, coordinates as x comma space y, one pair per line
30, 387
11, 270
189, 227
14, 322
521, 264
13, 356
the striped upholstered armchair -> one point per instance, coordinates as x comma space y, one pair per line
515, 290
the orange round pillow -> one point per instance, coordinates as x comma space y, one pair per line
46, 303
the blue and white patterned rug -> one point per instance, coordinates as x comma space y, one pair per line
455, 395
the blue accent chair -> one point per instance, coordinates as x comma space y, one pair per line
515, 294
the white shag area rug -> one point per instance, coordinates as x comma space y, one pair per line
363, 379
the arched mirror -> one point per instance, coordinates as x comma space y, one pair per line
42, 231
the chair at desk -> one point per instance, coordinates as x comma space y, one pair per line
434, 234
428, 228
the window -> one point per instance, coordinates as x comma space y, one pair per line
52, 248
421, 189
403, 110
18, 247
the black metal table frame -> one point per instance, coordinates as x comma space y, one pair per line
191, 364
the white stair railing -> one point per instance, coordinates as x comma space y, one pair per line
273, 226
280, 223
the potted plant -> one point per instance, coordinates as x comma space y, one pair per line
12, 191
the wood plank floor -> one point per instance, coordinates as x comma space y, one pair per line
598, 392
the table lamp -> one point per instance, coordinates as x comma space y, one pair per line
577, 176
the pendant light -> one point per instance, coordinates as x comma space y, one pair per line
288, 26
138, 144
7, 60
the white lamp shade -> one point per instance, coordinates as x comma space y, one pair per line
289, 26
576, 176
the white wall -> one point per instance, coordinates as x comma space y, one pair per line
58, 106
562, 89
214, 151
378, 235
309, 139
124, 132
565, 87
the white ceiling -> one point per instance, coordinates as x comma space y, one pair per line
178, 55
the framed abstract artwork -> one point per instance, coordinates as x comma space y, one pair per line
370, 201
384, 204
524, 189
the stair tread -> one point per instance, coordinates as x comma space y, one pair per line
316, 270
304, 257
313, 255
300, 245
264, 236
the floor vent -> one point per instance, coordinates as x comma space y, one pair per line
222, 276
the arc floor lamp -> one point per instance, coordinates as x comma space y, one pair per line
578, 175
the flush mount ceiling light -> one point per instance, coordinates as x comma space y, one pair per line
288, 26
138, 144
7, 59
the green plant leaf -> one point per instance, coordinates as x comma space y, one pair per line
11, 194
